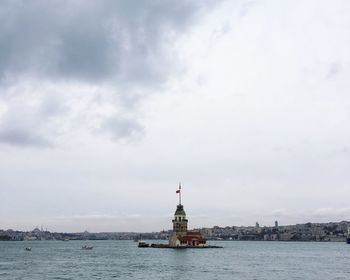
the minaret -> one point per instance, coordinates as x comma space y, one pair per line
179, 222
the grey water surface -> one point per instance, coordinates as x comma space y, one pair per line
123, 260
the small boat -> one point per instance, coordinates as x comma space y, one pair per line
85, 247
143, 244
28, 248
348, 237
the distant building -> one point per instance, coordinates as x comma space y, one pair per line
257, 225
286, 236
271, 237
276, 224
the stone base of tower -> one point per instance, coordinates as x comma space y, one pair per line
174, 240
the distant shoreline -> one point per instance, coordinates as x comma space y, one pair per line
267, 241
313, 232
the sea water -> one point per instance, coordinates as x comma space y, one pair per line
124, 260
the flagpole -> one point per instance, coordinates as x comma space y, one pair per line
180, 193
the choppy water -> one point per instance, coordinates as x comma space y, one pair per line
123, 260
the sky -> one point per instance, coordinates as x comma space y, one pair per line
105, 106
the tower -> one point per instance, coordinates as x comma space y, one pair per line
180, 221
180, 236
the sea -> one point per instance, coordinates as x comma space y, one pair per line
124, 260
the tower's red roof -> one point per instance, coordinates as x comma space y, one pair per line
192, 235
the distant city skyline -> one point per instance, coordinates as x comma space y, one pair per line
105, 106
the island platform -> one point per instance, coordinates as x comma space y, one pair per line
181, 238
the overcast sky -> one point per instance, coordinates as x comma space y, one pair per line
106, 105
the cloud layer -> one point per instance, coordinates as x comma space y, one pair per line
120, 41
127, 45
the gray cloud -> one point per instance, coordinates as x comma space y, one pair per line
334, 70
246, 6
22, 137
117, 41
125, 44
122, 128
32, 119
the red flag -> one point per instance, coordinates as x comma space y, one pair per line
178, 191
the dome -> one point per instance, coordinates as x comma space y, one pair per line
180, 210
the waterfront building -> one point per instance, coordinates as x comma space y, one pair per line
181, 236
